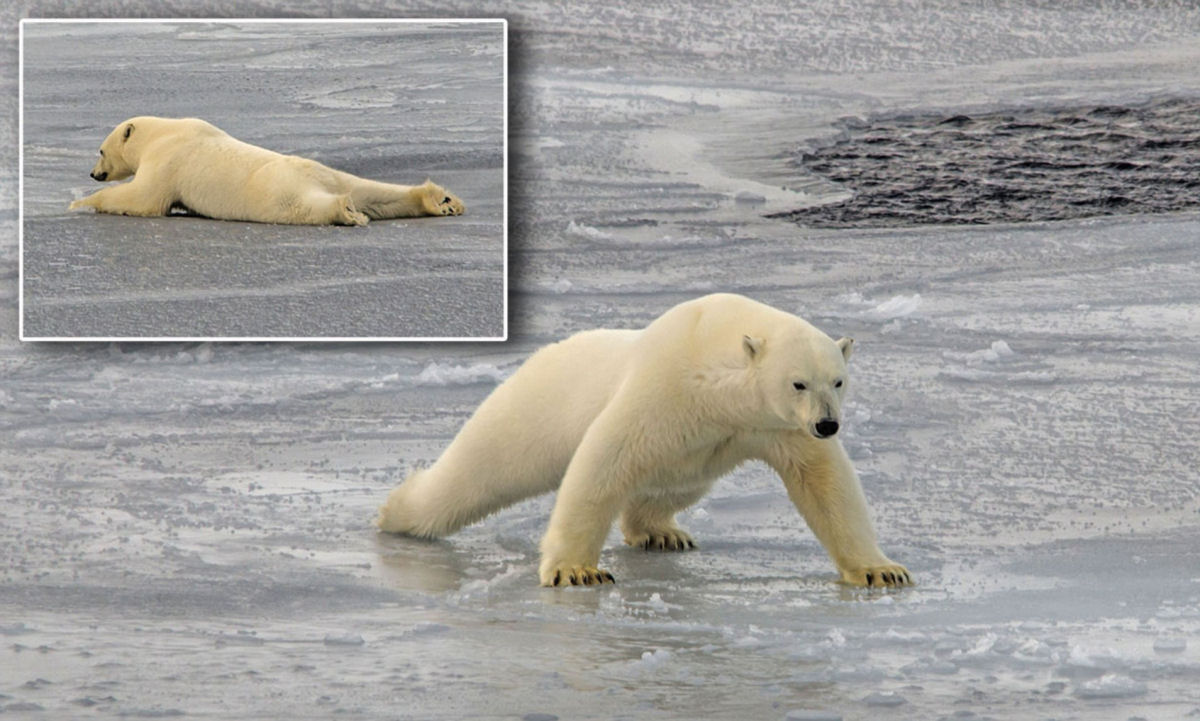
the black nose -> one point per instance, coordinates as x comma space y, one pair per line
826, 427
99, 176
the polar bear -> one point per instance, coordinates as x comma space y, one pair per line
191, 164
640, 423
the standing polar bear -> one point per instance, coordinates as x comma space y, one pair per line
640, 424
189, 163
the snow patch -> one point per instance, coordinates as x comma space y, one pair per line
898, 306
344, 639
981, 375
885, 699
560, 286
587, 231
997, 351
1111, 685
447, 374
653, 660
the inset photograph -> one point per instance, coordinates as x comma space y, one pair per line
263, 180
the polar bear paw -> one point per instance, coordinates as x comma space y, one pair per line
670, 539
348, 214
566, 575
451, 205
886, 574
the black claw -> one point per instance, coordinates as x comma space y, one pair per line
557, 577
870, 578
609, 577
888, 577
573, 581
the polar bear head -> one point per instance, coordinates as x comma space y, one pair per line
801, 377
118, 158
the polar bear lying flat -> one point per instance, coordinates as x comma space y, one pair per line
640, 423
189, 163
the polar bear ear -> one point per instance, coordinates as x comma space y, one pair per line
128, 130
752, 345
847, 346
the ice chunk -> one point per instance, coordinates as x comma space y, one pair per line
344, 639
998, 350
446, 374
897, 307
885, 699
1111, 685
1170, 645
587, 231
653, 660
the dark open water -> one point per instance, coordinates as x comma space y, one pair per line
1008, 167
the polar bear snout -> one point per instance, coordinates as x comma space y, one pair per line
825, 428
99, 176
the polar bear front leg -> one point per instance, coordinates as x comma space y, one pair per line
596, 483
822, 483
132, 198
648, 522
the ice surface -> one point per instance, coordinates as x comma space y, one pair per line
184, 526
391, 102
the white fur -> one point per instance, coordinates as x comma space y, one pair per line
190, 163
639, 424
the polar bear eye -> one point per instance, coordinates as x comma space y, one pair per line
799, 386
837, 384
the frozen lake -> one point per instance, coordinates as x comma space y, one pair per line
187, 526
396, 102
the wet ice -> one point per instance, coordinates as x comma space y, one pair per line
187, 525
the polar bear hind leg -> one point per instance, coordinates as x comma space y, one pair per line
440, 500
421, 507
386, 200
347, 213
318, 207
648, 522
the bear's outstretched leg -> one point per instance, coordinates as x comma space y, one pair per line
329, 209
822, 483
132, 198
469, 482
597, 481
649, 521
386, 200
